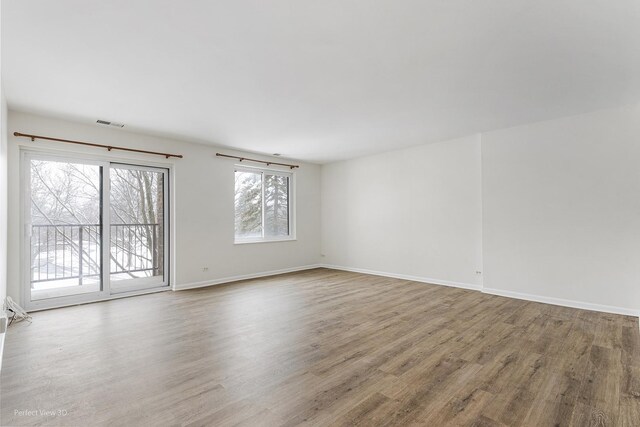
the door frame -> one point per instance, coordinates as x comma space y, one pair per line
26, 155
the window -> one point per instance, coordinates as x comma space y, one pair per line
263, 205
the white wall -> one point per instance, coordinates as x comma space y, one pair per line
203, 207
414, 212
548, 211
3, 196
556, 219
561, 209
3, 190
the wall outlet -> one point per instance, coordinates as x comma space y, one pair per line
205, 269
478, 272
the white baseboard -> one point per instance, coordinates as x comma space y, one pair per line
230, 279
470, 286
500, 292
405, 277
563, 302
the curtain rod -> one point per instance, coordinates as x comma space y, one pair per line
91, 144
257, 161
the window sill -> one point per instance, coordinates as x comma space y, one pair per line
250, 241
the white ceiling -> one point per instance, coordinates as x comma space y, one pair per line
319, 80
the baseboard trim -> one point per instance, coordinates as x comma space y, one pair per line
469, 286
499, 292
231, 279
405, 277
563, 302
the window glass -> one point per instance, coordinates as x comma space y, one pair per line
262, 205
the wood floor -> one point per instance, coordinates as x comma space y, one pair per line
322, 347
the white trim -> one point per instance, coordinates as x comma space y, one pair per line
563, 302
269, 240
26, 157
231, 279
109, 156
470, 286
167, 224
291, 201
107, 298
509, 294
105, 232
279, 170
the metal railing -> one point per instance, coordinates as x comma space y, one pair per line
134, 248
73, 251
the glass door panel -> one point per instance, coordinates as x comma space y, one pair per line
138, 225
65, 228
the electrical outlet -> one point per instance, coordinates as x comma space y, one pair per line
478, 272
205, 269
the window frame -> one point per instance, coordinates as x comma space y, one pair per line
291, 202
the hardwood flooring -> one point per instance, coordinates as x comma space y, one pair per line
322, 347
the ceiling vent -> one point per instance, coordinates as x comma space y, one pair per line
107, 123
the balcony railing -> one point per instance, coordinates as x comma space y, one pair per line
73, 252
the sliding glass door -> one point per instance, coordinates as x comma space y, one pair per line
65, 228
138, 224
92, 229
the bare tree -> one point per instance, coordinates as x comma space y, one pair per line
66, 204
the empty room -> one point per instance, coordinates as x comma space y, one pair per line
322, 213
